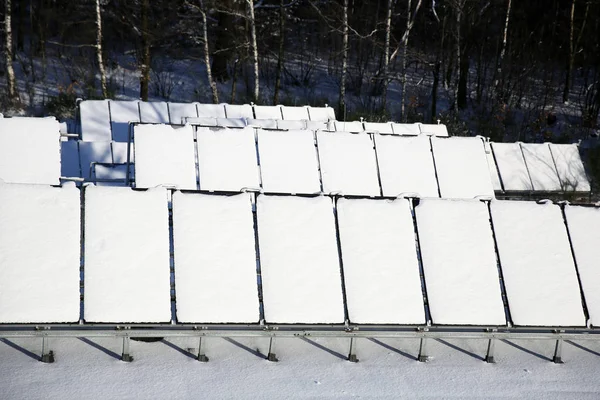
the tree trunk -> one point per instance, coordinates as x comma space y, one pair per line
145, 65
436, 73
254, 46
342, 99
10, 72
99, 50
459, 8
409, 24
224, 45
499, 83
571, 57
386, 55
209, 75
281, 52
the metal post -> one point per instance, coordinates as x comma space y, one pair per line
47, 354
557, 352
272, 356
423, 357
126, 356
352, 353
201, 356
489, 358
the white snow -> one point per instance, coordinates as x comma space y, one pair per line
511, 165
69, 159
406, 129
262, 123
349, 126
211, 110
541, 167
583, 223
154, 112
381, 270
459, 262
299, 260
215, 259
492, 166
433, 129
95, 121
348, 163
462, 167
39, 254
114, 172
295, 113
201, 121
227, 159
164, 155
570, 167
178, 112
406, 165
321, 113
119, 151
126, 255
121, 114
30, 150
288, 161
379, 127
267, 112
93, 152
291, 124
537, 264
316, 125
231, 122
238, 111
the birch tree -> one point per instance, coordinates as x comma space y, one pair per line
410, 21
386, 54
573, 47
254, 49
281, 52
342, 95
145, 64
8, 56
209, 75
99, 50
498, 82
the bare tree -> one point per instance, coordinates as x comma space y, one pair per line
573, 46
281, 52
386, 54
145, 64
254, 48
410, 21
8, 56
209, 75
99, 50
497, 83
342, 100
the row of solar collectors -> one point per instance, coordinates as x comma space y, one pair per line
322, 260
526, 167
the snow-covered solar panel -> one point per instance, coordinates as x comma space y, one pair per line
127, 273
39, 253
295, 113
321, 113
406, 165
109, 175
291, 124
433, 129
570, 167
154, 112
267, 112
201, 121
262, 123
317, 125
349, 126
583, 222
215, 259
93, 152
348, 163
381, 270
178, 112
288, 162
164, 155
30, 150
211, 110
121, 114
69, 159
537, 264
95, 121
299, 260
511, 164
227, 159
541, 167
239, 111
406, 129
462, 167
459, 262
231, 122
119, 151
379, 127
492, 166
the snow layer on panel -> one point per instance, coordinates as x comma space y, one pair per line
69, 159
459, 262
127, 277
227, 159
406, 129
215, 259
295, 113
291, 124
93, 152
288, 162
462, 167
537, 264
154, 112
406, 165
238, 111
164, 155
121, 114
316, 125
211, 110
348, 163
583, 222
541, 167
381, 270
492, 166
570, 167
379, 127
511, 165
39, 253
262, 123
119, 151
201, 121
179, 111
350, 126
299, 260
95, 121
24, 125
117, 173
30, 156
231, 122
433, 129
321, 113
267, 112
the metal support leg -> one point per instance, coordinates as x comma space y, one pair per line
557, 352
423, 357
201, 356
126, 356
47, 354
272, 356
489, 358
352, 353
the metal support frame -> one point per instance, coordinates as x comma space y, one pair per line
557, 358
271, 356
423, 356
489, 358
47, 354
126, 356
201, 345
352, 353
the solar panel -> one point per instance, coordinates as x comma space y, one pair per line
406, 165
492, 166
288, 161
348, 163
316, 125
537, 264
379, 127
291, 124
121, 114
178, 112
126, 255
262, 123
350, 126
211, 110
295, 113
433, 129
215, 259
109, 175
93, 152
299, 260
541, 167
201, 121
583, 222
570, 167
511, 165
459, 262
406, 129
119, 151
154, 112
231, 122
69, 159
164, 155
321, 113
39, 253
462, 167
381, 269
239, 111
95, 121
267, 112
227, 159
30, 150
